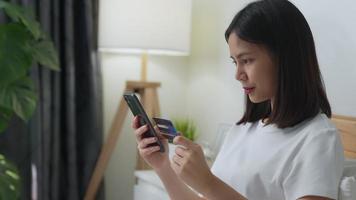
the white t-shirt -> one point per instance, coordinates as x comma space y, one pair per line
265, 162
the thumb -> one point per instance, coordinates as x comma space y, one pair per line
180, 140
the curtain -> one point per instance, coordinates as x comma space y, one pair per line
64, 137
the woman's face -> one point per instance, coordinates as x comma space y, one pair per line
255, 69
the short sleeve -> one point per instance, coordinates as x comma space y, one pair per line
317, 168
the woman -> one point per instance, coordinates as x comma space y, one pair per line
284, 146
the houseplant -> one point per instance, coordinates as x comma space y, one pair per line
187, 127
22, 45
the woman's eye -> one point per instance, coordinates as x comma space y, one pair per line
246, 61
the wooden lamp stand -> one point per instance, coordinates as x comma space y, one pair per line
149, 99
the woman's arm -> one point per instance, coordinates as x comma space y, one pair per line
190, 166
219, 190
176, 189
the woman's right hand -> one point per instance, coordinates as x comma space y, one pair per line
151, 155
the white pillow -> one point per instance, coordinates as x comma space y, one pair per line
347, 188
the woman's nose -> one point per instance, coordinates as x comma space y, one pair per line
240, 74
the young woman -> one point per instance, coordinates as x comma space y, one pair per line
284, 146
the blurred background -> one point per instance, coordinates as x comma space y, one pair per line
99, 48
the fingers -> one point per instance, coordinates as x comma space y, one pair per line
143, 143
146, 141
181, 152
177, 160
160, 136
180, 156
135, 122
149, 150
140, 131
146, 150
180, 140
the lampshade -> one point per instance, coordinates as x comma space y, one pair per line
145, 26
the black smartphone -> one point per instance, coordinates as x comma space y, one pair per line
137, 110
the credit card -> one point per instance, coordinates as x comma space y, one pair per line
166, 127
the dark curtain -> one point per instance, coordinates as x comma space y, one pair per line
64, 137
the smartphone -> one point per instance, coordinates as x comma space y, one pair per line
137, 110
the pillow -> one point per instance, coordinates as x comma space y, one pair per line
347, 188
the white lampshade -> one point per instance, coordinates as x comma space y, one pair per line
145, 26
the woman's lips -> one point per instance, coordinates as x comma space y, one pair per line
248, 90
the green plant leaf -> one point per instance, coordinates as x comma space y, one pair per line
3, 4
20, 97
15, 56
5, 116
45, 53
23, 15
9, 180
29, 20
186, 127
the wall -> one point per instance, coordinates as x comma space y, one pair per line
214, 96
334, 29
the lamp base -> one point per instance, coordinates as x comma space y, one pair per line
144, 66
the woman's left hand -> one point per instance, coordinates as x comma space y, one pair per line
190, 165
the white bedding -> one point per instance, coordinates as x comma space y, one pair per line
347, 189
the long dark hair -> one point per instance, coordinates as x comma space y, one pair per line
283, 30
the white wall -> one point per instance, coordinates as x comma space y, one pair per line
333, 24
203, 84
214, 96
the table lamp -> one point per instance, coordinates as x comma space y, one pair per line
160, 27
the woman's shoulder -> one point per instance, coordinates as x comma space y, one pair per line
319, 123
319, 128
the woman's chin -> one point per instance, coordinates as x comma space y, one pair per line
254, 99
